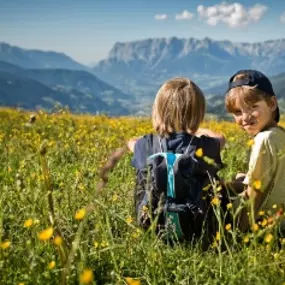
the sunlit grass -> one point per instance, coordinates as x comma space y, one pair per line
57, 228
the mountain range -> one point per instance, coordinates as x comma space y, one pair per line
137, 68
148, 63
37, 58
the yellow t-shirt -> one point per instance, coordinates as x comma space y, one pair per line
267, 166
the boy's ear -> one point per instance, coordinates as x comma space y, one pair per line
273, 103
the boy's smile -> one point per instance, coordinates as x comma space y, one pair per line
256, 117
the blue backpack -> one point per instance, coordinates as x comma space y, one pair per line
169, 192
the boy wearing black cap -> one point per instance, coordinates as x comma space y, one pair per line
251, 100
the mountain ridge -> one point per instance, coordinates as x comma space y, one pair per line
35, 58
148, 63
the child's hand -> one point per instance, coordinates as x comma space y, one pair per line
209, 133
131, 144
240, 176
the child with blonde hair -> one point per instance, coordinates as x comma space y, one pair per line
252, 102
170, 166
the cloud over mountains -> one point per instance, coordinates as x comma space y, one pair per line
234, 15
185, 15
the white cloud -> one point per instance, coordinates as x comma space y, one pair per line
282, 18
160, 17
234, 15
185, 15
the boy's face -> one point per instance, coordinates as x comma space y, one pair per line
256, 117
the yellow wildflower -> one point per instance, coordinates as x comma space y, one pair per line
28, 223
96, 244
268, 238
86, 277
199, 152
129, 220
218, 236
264, 223
80, 214
136, 233
114, 198
215, 201
256, 184
51, 265
261, 213
229, 206
250, 143
58, 240
276, 255
274, 206
132, 281
46, 234
104, 243
228, 227
5, 244
21, 283
255, 227
246, 239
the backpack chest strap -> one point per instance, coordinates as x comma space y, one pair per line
170, 160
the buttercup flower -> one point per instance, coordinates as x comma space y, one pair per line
218, 236
132, 281
199, 152
228, 227
80, 214
246, 239
268, 238
51, 265
58, 240
86, 276
250, 143
129, 220
255, 227
46, 234
215, 201
229, 206
5, 244
256, 184
28, 223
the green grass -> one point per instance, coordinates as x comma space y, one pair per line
50, 169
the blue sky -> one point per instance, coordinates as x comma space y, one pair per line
87, 29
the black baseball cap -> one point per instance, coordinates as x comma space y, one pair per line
257, 79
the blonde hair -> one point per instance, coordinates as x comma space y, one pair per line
179, 105
247, 94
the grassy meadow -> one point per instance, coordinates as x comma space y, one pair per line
60, 223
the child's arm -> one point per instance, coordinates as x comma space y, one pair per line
209, 133
131, 143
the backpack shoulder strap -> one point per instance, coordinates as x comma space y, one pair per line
187, 150
163, 144
156, 144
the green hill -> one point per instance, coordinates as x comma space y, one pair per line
79, 90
